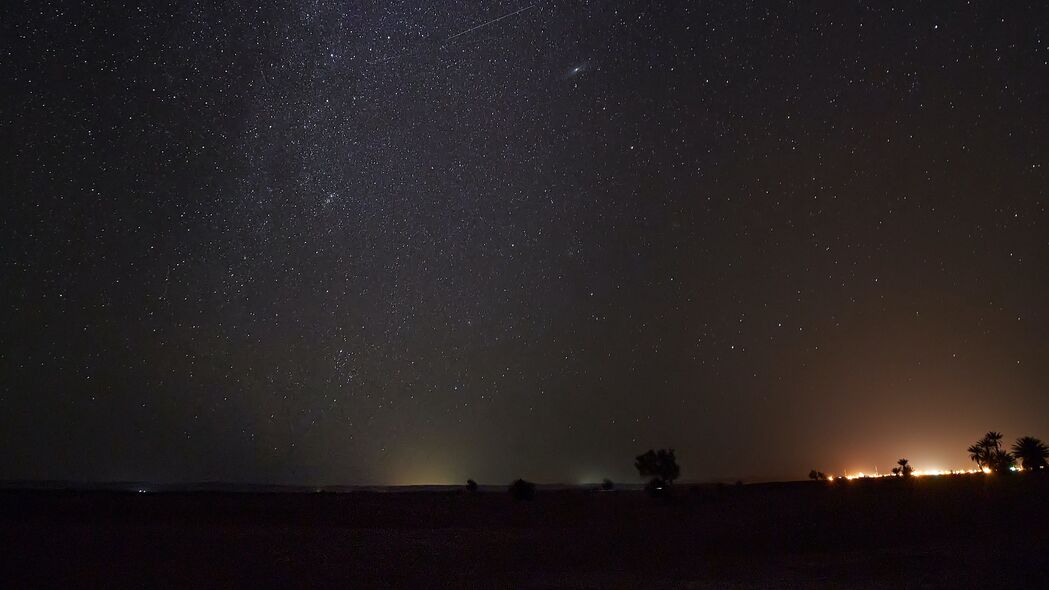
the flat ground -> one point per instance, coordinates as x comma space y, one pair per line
961, 532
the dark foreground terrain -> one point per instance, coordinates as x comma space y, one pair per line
960, 532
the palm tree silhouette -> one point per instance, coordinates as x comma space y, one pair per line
1031, 452
988, 452
1001, 461
978, 455
904, 468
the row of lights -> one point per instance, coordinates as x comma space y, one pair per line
919, 473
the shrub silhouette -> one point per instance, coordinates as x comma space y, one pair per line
904, 470
661, 465
817, 475
1031, 452
471, 485
522, 490
607, 485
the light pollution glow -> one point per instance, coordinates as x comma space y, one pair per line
919, 473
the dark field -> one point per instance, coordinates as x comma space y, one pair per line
961, 532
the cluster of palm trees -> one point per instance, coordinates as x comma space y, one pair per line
989, 454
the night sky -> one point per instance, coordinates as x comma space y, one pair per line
416, 242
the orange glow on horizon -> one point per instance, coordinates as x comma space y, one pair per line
915, 473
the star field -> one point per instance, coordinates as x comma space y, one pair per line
317, 242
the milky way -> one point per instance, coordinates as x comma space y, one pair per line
320, 242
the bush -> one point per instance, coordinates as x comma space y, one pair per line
522, 490
607, 485
471, 485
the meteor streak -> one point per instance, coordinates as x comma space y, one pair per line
442, 44
494, 20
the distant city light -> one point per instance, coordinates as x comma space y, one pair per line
917, 473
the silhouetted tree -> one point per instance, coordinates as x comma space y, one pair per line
471, 485
608, 485
978, 455
817, 475
522, 490
661, 464
1000, 461
904, 469
988, 453
1031, 452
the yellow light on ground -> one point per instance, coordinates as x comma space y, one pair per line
918, 473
